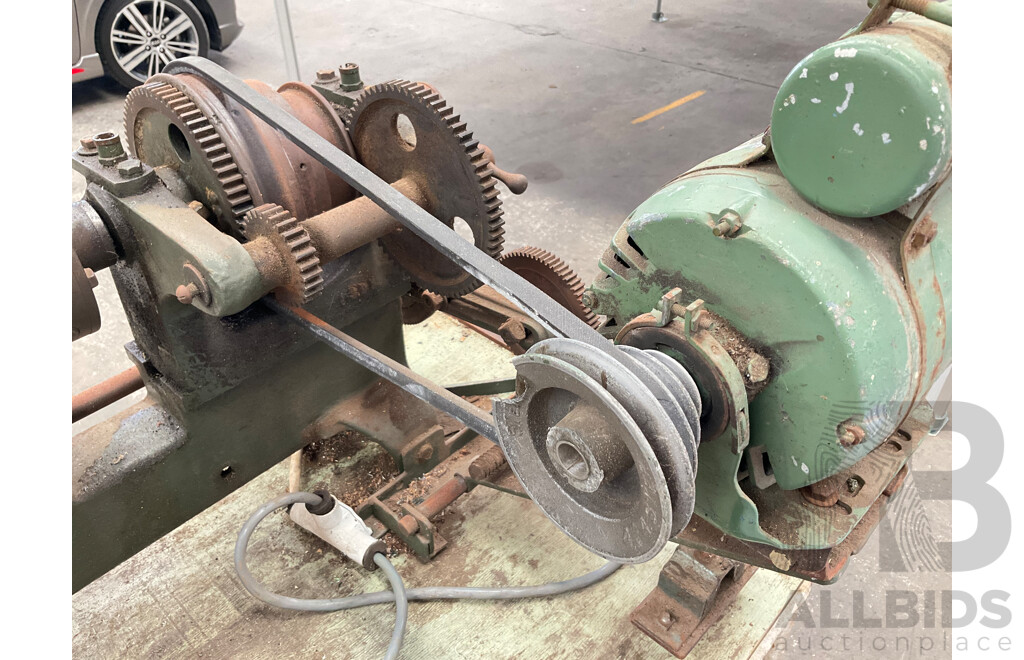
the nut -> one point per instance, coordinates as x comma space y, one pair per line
130, 168
850, 434
589, 299
325, 75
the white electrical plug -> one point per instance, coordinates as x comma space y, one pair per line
342, 527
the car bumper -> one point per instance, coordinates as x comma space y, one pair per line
229, 32
86, 68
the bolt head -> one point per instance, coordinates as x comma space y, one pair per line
757, 369
589, 299
185, 293
130, 168
424, 453
325, 75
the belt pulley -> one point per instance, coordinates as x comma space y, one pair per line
603, 438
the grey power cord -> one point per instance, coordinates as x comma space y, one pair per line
398, 594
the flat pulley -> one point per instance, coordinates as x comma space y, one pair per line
230, 160
405, 130
606, 450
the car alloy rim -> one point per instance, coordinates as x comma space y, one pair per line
148, 34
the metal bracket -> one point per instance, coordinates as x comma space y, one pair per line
694, 590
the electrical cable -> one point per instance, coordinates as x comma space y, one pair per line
398, 594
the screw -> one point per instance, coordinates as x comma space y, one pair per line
589, 299
130, 168
350, 80
852, 484
186, 292
667, 619
325, 75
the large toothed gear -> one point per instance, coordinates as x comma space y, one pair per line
404, 129
551, 275
165, 127
303, 276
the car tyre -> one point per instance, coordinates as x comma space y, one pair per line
133, 39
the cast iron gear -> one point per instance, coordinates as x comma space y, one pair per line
403, 129
551, 275
165, 126
303, 276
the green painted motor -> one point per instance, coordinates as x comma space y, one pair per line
804, 279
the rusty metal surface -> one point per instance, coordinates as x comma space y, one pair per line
695, 589
488, 310
448, 164
841, 528
551, 275
103, 394
229, 159
85, 313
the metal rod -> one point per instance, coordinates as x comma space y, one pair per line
444, 239
103, 394
390, 369
435, 503
284, 27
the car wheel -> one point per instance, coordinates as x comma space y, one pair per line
137, 38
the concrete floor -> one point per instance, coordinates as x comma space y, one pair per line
553, 88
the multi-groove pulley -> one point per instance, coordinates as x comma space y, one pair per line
606, 445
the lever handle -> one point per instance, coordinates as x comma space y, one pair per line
516, 183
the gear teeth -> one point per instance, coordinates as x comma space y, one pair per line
492, 239
294, 245
562, 274
175, 101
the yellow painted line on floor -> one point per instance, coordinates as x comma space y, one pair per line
671, 106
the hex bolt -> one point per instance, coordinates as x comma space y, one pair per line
110, 149
130, 168
852, 484
424, 453
350, 80
88, 147
186, 293
589, 298
512, 331
326, 75
727, 225
850, 434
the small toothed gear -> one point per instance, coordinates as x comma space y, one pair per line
447, 162
551, 275
304, 275
195, 148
